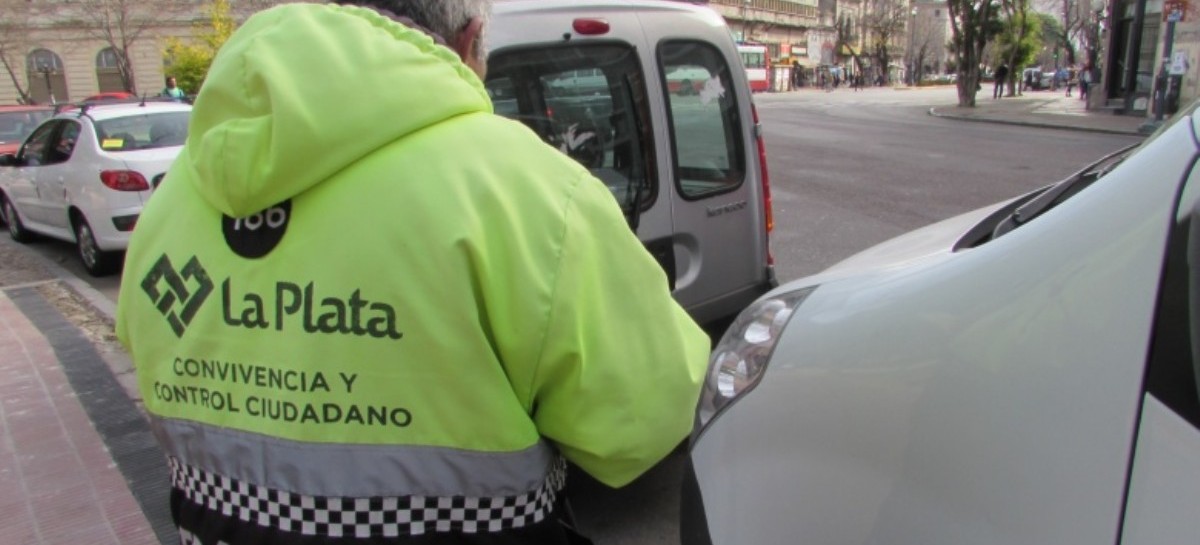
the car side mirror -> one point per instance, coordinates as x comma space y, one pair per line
9, 160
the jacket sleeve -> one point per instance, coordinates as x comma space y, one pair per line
619, 373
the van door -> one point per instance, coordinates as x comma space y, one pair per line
589, 100
711, 164
1164, 484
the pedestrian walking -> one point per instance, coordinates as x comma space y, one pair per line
1072, 73
351, 331
999, 76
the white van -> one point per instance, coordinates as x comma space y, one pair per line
651, 96
1024, 373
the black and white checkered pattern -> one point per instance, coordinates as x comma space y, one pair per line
365, 517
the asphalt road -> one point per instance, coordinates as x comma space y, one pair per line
848, 170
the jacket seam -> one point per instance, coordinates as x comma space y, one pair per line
558, 266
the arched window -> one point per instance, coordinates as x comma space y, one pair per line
108, 72
47, 78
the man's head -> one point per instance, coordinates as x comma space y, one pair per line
170, 81
460, 23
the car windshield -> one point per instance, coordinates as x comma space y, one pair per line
16, 126
143, 131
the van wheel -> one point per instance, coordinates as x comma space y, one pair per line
97, 262
16, 229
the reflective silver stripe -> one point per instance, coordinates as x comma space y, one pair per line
366, 517
335, 470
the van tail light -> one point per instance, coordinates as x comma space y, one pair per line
124, 180
768, 216
590, 27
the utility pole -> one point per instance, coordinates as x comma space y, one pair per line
912, 33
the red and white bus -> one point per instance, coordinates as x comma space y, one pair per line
757, 61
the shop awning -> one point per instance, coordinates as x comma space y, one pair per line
803, 61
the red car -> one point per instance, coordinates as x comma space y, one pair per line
118, 95
16, 122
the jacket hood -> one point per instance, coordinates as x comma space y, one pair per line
301, 91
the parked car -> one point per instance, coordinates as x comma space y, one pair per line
112, 95
1023, 373
84, 174
649, 95
16, 122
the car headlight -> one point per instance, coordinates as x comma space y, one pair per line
740, 359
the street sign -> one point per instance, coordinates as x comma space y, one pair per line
1179, 63
1173, 10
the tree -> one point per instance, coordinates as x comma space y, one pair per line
972, 24
845, 41
190, 62
14, 38
122, 23
1052, 39
1019, 40
885, 21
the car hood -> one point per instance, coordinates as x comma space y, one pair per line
918, 247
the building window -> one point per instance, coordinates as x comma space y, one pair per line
108, 72
47, 80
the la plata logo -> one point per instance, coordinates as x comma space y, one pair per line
177, 294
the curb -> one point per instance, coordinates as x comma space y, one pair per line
933, 111
96, 300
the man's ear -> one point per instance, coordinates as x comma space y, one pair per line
467, 40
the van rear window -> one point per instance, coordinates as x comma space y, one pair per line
589, 102
707, 145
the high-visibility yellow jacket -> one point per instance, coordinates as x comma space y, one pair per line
356, 281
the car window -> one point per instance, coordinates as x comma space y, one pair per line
142, 131
64, 143
589, 102
16, 126
1173, 372
706, 143
33, 153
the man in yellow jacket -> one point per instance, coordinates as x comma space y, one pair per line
363, 308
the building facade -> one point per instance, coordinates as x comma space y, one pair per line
63, 50
1150, 45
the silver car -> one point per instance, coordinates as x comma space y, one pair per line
1025, 373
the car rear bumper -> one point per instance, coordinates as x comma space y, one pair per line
104, 228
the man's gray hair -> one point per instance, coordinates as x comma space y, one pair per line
446, 18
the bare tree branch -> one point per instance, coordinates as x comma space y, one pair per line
14, 40
122, 23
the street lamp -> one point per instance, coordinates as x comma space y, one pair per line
912, 31
46, 70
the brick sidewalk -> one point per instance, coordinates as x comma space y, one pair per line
62, 482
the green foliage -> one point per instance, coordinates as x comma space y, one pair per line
189, 61
1020, 39
1052, 29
